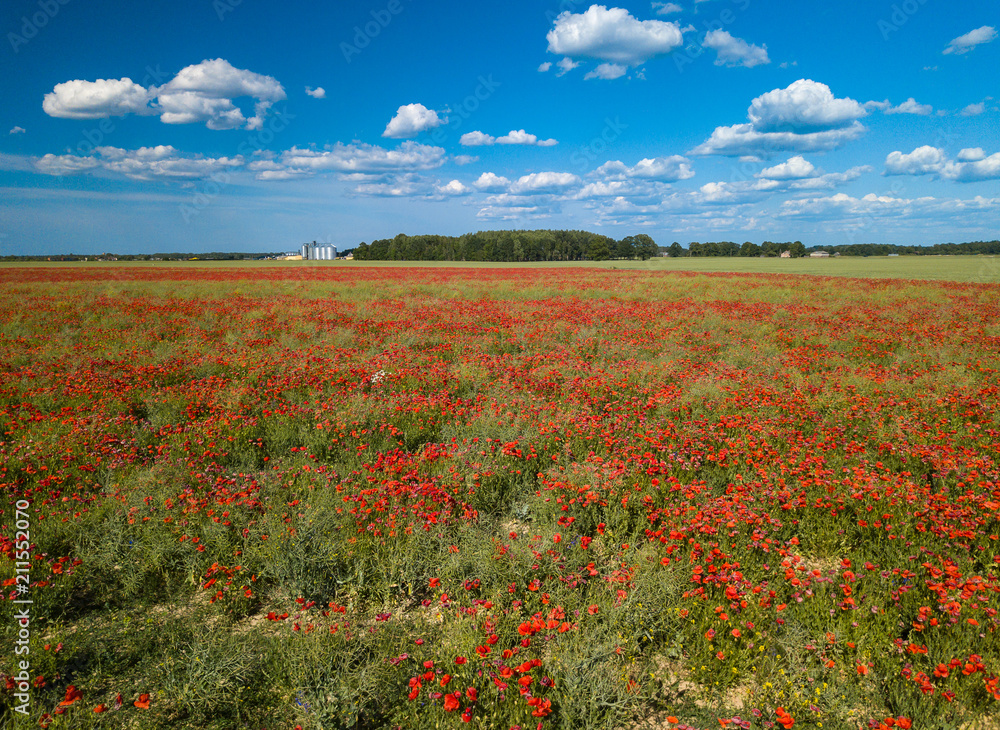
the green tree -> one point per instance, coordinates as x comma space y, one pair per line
675, 250
749, 248
645, 247
626, 248
599, 250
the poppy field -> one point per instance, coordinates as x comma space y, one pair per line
497, 498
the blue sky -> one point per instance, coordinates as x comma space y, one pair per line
208, 125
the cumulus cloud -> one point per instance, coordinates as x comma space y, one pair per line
544, 182
804, 117
663, 8
796, 168
543, 67
662, 169
972, 165
735, 51
200, 93
742, 139
363, 158
805, 106
967, 42
454, 188
612, 35
973, 110
874, 206
971, 154
17, 130
203, 92
606, 71
514, 137
566, 65
80, 99
411, 120
162, 162
318, 93
911, 106
490, 182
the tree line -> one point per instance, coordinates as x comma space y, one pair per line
729, 248
541, 245
973, 248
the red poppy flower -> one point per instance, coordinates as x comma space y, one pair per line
143, 701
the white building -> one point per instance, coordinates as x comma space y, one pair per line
819, 255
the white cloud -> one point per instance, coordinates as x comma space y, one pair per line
829, 180
803, 117
886, 207
805, 106
318, 93
972, 166
396, 187
453, 188
490, 182
80, 99
542, 68
973, 110
514, 137
742, 139
606, 71
202, 92
796, 168
411, 120
65, 164
359, 157
146, 163
911, 106
566, 65
667, 169
544, 182
17, 130
735, 51
660, 169
922, 161
476, 139
967, 42
464, 159
521, 137
614, 188
612, 35
663, 8
971, 154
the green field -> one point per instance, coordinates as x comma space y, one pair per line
976, 269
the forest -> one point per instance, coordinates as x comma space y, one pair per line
541, 245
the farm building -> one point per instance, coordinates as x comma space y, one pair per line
319, 251
819, 255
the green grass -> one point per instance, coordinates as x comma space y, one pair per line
975, 269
